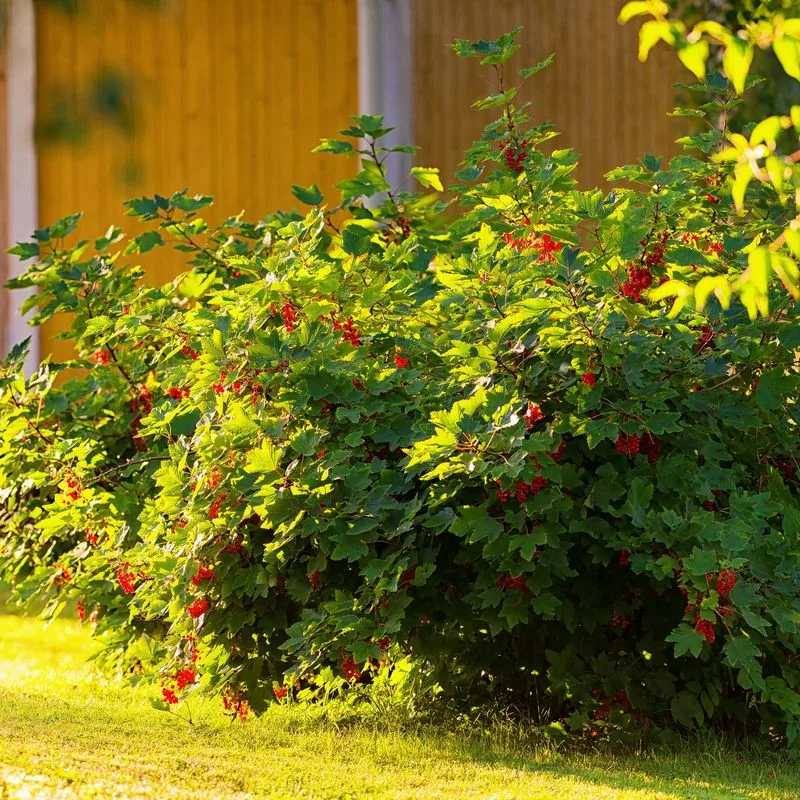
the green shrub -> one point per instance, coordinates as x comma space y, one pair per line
466, 450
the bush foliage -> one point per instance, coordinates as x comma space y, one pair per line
469, 447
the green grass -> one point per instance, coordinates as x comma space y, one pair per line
66, 733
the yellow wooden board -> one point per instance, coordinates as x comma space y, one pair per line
608, 106
229, 99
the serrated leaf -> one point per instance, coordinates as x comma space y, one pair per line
742, 654
310, 195
428, 177
686, 640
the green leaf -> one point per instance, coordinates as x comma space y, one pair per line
775, 388
686, 709
526, 72
742, 654
310, 195
496, 100
25, 250
335, 146
475, 525
639, 496
264, 459
686, 640
356, 240
700, 562
145, 242
428, 177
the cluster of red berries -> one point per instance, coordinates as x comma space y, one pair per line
184, 677
101, 357
188, 351
655, 258
204, 573
215, 476
289, 317
507, 582
91, 538
408, 578
558, 452
399, 230
524, 490
350, 670
606, 703
141, 406
349, 332
640, 279
624, 558
786, 467
650, 447
706, 627
544, 244
515, 154
63, 575
695, 239
726, 580
400, 361
126, 578
520, 242
620, 621
631, 444
706, 338
627, 444
533, 415
313, 578
213, 511
589, 378
235, 704
178, 392
235, 546
198, 608
280, 692
546, 247
74, 485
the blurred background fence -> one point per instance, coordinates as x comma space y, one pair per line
103, 100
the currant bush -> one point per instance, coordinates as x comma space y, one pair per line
466, 443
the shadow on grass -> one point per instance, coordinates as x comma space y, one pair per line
68, 725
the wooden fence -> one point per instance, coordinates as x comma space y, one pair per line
609, 107
230, 98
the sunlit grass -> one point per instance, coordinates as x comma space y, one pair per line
65, 733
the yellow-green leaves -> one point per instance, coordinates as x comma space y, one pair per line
717, 285
428, 177
736, 62
786, 45
651, 33
638, 8
681, 291
693, 56
753, 286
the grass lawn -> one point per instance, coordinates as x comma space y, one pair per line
65, 733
